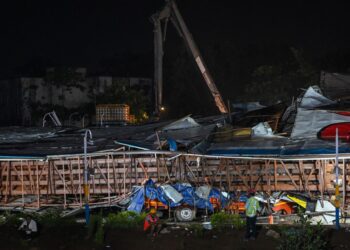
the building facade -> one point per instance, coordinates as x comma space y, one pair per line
25, 100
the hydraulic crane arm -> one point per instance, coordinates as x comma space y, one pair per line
171, 12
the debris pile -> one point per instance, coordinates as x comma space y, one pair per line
187, 202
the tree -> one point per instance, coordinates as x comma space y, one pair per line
122, 93
272, 83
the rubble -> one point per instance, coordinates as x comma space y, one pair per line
189, 164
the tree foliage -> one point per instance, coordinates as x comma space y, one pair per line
304, 236
122, 93
280, 82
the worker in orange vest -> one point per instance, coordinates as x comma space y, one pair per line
151, 223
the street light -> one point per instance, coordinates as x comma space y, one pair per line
86, 184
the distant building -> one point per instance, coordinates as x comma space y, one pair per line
112, 113
25, 100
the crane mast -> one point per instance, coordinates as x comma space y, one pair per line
171, 11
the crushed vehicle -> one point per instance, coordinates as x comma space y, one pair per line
186, 202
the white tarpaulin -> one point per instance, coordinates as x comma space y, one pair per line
203, 192
183, 123
313, 99
328, 213
309, 122
262, 129
171, 193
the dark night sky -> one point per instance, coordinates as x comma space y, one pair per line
86, 32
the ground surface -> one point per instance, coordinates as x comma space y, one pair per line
74, 237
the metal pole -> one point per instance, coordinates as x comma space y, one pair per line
337, 196
64, 187
79, 178
158, 63
22, 185
199, 59
109, 191
124, 176
86, 186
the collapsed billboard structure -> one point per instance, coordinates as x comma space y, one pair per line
41, 168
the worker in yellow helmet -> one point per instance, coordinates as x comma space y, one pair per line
151, 223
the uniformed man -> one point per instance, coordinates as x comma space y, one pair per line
251, 209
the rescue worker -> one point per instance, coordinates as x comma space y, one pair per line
151, 223
252, 207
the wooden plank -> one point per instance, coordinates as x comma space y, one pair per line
242, 178
114, 175
267, 163
228, 176
290, 176
230, 172
37, 185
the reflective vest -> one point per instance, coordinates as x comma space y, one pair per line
251, 207
149, 220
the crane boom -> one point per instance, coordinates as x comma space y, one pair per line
171, 11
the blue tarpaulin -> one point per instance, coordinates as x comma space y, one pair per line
137, 200
190, 198
172, 144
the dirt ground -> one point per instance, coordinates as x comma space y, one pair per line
74, 237
182, 239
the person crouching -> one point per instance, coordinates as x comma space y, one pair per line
151, 224
28, 228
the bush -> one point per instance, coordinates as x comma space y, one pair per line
95, 229
2, 220
125, 220
12, 219
53, 219
197, 230
303, 236
223, 220
100, 233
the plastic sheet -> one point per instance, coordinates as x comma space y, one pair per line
171, 193
137, 200
189, 195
